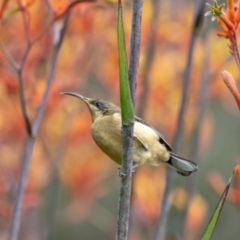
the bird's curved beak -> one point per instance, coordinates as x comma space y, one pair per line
85, 99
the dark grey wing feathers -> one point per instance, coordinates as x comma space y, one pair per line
161, 138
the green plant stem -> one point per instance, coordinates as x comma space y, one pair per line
127, 83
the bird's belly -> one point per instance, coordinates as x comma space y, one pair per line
113, 148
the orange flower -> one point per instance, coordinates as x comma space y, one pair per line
237, 171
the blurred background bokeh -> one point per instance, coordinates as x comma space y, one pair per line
73, 188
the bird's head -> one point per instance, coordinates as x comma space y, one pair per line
97, 107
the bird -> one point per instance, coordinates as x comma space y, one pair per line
149, 146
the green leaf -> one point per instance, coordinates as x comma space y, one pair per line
212, 224
125, 94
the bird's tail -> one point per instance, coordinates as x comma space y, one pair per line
180, 165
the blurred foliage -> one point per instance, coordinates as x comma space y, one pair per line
73, 187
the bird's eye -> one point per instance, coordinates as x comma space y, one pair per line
98, 104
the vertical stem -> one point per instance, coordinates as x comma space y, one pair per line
14, 231
150, 51
166, 202
58, 39
127, 123
203, 100
23, 104
126, 185
21, 191
135, 46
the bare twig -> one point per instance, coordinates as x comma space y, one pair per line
22, 186
19, 69
23, 104
57, 45
26, 19
135, 46
126, 181
166, 202
149, 57
25, 55
9, 57
31, 140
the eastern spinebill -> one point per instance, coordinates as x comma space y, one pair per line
149, 146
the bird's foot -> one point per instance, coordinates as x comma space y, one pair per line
122, 174
134, 166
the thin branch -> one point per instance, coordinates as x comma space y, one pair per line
48, 4
23, 104
21, 191
150, 52
58, 36
8, 56
195, 151
166, 202
25, 56
14, 231
19, 67
18, 70
135, 46
44, 30
26, 19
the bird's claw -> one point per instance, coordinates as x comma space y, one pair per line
134, 166
121, 174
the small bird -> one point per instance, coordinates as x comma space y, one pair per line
149, 146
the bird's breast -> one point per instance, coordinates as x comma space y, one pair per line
106, 132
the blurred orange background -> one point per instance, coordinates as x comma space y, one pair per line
73, 188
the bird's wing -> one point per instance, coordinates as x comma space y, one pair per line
161, 138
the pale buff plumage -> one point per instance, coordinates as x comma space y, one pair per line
110, 141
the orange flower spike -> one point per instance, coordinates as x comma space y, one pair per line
231, 10
59, 5
237, 171
61, 13
237, 16
228, 24
25, 3
217, 11
223, 34
231, 85
222, 25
